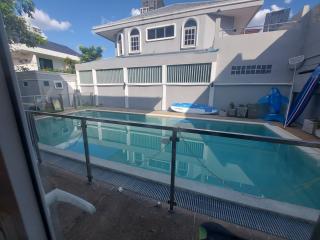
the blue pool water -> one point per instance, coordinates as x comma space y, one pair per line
266, 170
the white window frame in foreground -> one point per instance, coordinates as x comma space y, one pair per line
134, 41
191, 32
55, 84
162, 38
120, 45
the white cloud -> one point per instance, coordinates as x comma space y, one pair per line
42, 20
259, 18
135, 12
274, 7
287, 1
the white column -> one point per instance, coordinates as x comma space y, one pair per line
164, 88
126, 89
95, 86
78, 87
211, 86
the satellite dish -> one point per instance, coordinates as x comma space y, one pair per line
296, 62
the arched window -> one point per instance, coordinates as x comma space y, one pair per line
134, 41
190, 33
120, 44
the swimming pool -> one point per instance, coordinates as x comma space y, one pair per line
263, 170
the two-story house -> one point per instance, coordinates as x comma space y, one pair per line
199, 52
47, 56
163, 56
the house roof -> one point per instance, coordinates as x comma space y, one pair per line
169, 9
58, 48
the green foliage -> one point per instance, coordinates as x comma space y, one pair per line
15, 24
89, 54
70, 65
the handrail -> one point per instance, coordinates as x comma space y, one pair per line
251, 137
266, 28
174, 139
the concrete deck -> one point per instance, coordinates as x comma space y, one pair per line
123, 215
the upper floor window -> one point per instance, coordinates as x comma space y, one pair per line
190, 33
160, 33
120, 51
135, 41
45, 63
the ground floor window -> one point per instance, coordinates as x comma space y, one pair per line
58, 85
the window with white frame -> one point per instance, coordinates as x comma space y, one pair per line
190, 33
58, 85
120, 44
135, 41
161, 33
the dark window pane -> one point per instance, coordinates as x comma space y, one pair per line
58, 84
45, 63
191, 23
170, 31
160, 32
151, 34
134, 32
46, 83
243, 69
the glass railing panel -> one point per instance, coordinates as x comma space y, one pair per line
60, 141
238, 170
131, 151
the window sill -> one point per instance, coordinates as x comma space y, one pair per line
134, 53
188, 47
160, 39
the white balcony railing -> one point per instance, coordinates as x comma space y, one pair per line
258, 29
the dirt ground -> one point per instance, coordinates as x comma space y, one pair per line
122, 215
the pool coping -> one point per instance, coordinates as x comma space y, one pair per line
282, 133
283, 208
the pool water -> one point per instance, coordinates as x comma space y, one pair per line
264, 170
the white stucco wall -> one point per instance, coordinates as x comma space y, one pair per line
206, 31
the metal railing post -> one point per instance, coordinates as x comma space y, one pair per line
174, 139
86, 149
33, 135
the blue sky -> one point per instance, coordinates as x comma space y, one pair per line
69, 22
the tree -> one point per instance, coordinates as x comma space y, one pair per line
70, 65
13, 12
89, 54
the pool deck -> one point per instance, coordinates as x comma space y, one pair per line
296, 131
124, 215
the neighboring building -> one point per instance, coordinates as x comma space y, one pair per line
48, 56
38, 87
275, 19
39, 72
196, 52
150, 5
